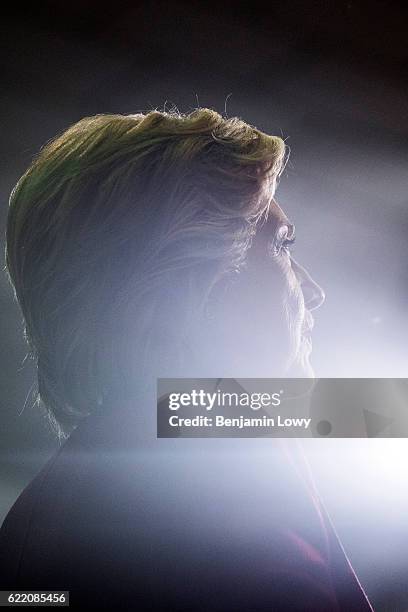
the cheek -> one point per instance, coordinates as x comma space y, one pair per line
262, 318
255, 324
294, 306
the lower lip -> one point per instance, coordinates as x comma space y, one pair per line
307, 341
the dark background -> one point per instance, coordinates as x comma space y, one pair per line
330, 77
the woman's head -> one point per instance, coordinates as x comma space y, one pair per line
122, 238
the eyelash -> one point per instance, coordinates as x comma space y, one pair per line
287, 244
276, 247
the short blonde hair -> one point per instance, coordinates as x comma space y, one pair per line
116, 214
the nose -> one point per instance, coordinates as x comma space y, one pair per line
313, 294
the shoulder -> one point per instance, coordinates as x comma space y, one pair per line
57, 531
17, 525
180, 522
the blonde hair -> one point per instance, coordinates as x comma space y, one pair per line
113, 224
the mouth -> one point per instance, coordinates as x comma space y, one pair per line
306, 333
308, 324
307, 342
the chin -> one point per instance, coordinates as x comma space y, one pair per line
300, 365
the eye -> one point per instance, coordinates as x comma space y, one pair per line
282, 241
288, 243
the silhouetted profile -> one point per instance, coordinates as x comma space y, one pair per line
147, 246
